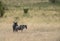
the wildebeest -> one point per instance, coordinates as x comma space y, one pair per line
20, 27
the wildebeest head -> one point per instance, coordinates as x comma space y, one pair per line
15, 23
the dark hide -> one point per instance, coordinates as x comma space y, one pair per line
21, 27
14, 26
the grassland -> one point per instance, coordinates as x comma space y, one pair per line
43, 24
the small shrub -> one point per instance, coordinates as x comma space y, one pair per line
25, 10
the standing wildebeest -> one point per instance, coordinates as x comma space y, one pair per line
16, 27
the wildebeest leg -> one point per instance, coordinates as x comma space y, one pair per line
13, 29
21, 30
16, 30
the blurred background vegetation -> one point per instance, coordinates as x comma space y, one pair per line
45, 10
28, 3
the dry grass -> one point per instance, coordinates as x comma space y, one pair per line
41, 26
35, 32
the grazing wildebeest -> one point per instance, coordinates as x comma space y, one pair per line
21, 27
16, 27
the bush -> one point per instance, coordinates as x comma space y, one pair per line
1, 9
52, 1
25, 10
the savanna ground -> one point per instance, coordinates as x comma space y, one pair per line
43, 24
